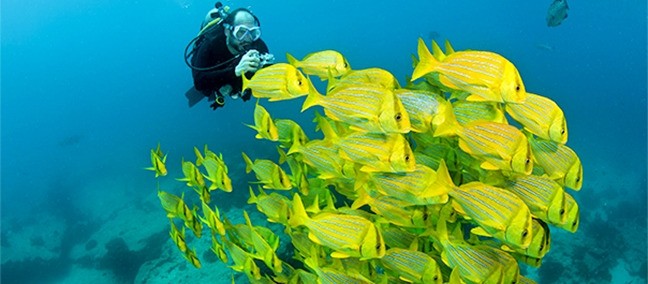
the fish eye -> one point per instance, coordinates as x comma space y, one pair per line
378, 246
527, 161
578, 179
398, 117
525, 233
517, 88
562, 211
541, 246
562, 131
407, 158
435, 278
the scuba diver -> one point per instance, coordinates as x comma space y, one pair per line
228, 46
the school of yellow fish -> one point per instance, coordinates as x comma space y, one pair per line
426, 183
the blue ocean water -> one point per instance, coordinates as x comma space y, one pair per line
89, 87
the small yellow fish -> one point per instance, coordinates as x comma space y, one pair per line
423, 108
498, 212
487, 76
178, 237
475, 263
190, 255
374, 76
347, 235
218, 249
217, 174
278, 82
158, 163
544, 197
264, 250
243, 261
212, 219
268, 173
558, 161
467, 111
192, 175
573, 215
377, 152
412, 266
275, 206
367, 108
422, 186
263, 124
321, 63
499, 146
323, 158
540, 116
290, 132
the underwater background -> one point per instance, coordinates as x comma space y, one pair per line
89, 87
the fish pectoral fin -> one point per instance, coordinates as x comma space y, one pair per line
480, 232
476, 98
488, 166
337, 254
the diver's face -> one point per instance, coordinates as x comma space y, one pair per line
245, 21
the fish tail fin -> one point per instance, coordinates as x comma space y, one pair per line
446, 123
246, 83
253, 198
283, 157
313, 98
443, 175
292, 60
299, 215
427, 61
199, 157
327, 130
248, 162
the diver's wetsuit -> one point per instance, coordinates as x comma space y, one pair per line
212, 50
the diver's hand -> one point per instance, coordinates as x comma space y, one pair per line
250, 62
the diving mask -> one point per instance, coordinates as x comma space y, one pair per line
240, 32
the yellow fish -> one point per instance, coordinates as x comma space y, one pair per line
573, 215
190, 255
487, 76
540, 116
290, 132
178, 237
422, 186
475, 263
264, 250
467, 111
367, 108
499, 146
323, 158
558, 161
412, 266
347, 235
275, 206
158, 163
173, 204
217, 174
277, 82
268, 173
378, 152
192, 175
321, 63
212, 219
263, 124
374, 76
498, 212
544, 197
425, 109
